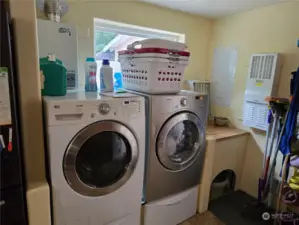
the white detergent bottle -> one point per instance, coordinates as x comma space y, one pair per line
106, 77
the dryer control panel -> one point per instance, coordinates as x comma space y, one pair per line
170, 104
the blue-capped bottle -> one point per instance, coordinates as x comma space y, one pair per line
90, 75
118, 84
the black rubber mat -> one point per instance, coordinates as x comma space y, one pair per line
233, 209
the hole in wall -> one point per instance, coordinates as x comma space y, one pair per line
223, 184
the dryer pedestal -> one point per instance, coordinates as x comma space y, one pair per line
171, 210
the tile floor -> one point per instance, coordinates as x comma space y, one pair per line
228, 210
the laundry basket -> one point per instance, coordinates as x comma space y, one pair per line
153, 70
202, 87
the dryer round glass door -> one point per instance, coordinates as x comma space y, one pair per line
180, 141
100, 158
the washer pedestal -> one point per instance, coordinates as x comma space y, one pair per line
171, 210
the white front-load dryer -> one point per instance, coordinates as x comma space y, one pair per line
95, 157
175, 146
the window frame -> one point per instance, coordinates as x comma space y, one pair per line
133, 30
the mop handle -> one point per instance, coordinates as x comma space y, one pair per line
276, 150
273, 135
269, 120
283, 178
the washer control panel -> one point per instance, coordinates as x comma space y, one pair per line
131, 107
104, 108
71, 112
128, 107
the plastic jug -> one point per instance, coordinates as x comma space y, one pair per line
106, 77
55, 77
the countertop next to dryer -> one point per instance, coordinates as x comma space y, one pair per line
226, 149
217, 133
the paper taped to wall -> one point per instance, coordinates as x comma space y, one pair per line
5, 116
223, 75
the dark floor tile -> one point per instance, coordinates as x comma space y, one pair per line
231, 210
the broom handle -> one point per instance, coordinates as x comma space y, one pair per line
283, 178
272, 168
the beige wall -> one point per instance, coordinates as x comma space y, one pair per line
23, 13
270, 29
38, 196
196, 29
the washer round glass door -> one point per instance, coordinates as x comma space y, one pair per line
100, 158
180, 141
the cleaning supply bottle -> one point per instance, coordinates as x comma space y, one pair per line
118, 84
106, 77
54, 76
90, 75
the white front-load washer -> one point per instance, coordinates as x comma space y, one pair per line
95, 157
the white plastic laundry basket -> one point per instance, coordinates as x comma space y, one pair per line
158, 43
153, 70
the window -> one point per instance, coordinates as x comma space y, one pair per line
111, 37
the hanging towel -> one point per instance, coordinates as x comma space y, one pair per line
291, 121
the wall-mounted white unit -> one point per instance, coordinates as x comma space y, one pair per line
262, 81
60, 39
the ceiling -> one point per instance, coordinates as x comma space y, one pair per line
214, 8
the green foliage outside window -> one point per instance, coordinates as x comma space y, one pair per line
102, 39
